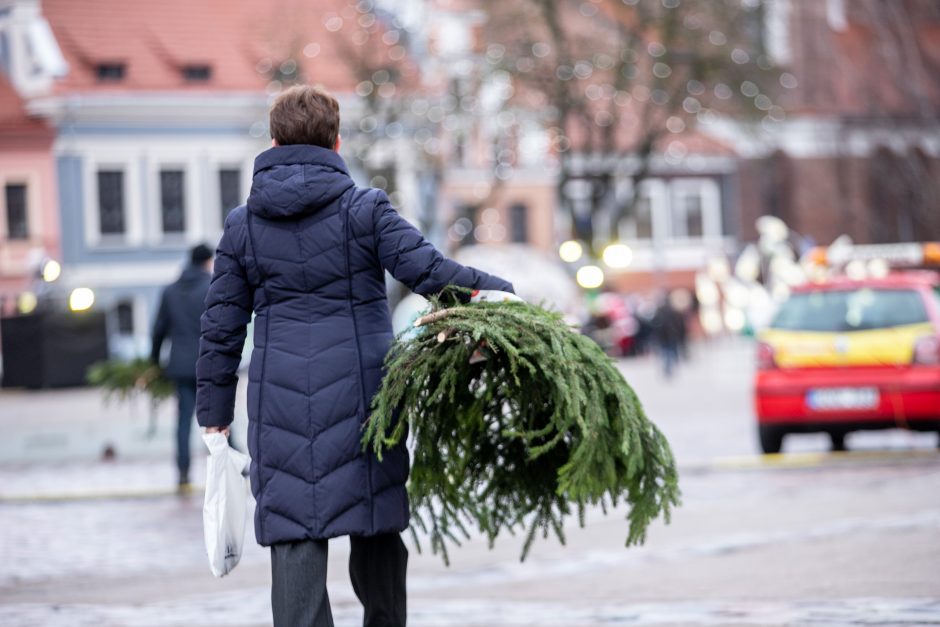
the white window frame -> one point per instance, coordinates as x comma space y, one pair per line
187, 200
654, 190
777, 31
133, 302
709, 194
34, 222
216, 188
192, 230
133, 219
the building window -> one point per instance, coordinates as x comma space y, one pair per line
777, 178
110, 72
519, 223
230, 190
892, 198
197, 73
172, 206
465, 225
111, 202
687, 215
125, 317
460, 149
17, 216
643, 217
694, 208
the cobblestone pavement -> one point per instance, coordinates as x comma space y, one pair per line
821, 557
804, 539
236, 609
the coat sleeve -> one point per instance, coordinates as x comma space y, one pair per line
414, 261
161, 326
224, 324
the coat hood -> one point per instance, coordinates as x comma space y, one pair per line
291, 181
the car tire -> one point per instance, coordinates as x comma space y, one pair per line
838, 441
771, 438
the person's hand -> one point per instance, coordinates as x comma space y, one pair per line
223, 430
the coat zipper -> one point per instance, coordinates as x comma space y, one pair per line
362, 386
264, 361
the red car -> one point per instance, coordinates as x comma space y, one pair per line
848, 355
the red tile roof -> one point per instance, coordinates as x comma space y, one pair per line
17, 127
242, 41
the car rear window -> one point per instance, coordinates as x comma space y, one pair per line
850, 310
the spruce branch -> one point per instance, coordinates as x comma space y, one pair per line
523, 439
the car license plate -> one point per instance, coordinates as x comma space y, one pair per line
829, 399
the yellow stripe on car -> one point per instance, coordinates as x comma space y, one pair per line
872, 347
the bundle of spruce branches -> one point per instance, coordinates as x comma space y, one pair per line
518, 422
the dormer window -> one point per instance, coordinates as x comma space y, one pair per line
110, 72
197, 73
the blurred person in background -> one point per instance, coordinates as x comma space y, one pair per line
181, 306
669, 332
642, 312
308, 254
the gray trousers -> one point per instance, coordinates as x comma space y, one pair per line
377, 569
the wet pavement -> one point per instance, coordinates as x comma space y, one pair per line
803, 549
808, 539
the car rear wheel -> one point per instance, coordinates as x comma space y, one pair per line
771, 438
838, 440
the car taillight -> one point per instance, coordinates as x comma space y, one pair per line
927, 351
765, 356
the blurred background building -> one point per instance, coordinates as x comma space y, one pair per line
128, 130
30, 228
858, 152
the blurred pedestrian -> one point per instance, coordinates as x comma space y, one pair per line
308, 255
669, 332
181, 306
642, 313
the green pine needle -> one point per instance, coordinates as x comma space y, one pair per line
542, 428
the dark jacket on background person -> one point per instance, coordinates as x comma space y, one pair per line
308, 255
668, 326
181, 306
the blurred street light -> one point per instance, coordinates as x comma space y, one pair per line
747, 267
51, 270
735, 319
81, 299
590, 277
839, 251
736, 294
570, 251
706, 291
710, 317
27, 302
617, 256
878, 268
773, 231
856, 270
718, 270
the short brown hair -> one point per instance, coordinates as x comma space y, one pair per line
305, 115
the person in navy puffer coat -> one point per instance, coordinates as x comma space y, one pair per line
307, 255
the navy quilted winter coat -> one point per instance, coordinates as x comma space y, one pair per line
308, 256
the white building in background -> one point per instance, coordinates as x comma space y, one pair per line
158, 110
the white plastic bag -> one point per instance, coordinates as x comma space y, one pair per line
226, 506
